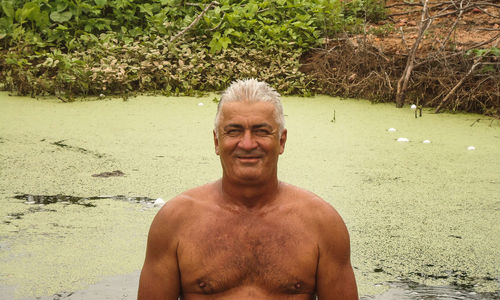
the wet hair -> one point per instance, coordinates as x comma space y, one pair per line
252, 90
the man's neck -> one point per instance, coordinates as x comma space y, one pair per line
249, 195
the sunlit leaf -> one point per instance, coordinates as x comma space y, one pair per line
100, 2
61, 17
8, 8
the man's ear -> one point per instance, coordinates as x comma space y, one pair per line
216, 143
283, 141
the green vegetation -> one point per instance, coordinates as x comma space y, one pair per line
87, 47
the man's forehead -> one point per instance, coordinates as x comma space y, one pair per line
243, 107
248, 111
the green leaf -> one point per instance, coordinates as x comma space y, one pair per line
42, 20
29, 11
252, 9
62, 27
101, 2
5, 23
215, 45
225, 41
8, 8
60, 17
61, 6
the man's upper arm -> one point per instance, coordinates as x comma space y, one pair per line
335, 276
160, 273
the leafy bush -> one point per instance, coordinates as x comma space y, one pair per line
62, 46
151, 65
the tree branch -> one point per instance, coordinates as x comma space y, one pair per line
425, 22
477, 62
443, 44
195, 21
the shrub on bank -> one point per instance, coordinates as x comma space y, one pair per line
87, 47
148, 65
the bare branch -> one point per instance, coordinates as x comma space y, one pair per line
454, 26
220, 23
477, 62
403, 38
425, 22
195, 21
475, 46
484, 11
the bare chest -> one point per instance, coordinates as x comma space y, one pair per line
274, 253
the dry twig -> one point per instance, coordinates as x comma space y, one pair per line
425, 22
454, 26
476, 63
195, 21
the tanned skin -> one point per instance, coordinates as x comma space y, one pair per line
248, 235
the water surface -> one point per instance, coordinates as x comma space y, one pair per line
423, 218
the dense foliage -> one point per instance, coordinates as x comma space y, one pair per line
88, 47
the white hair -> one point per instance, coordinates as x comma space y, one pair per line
252, 90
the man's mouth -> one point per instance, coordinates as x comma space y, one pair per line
248, 158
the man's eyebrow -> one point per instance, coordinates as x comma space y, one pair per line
256, 126
239, 126
262, 125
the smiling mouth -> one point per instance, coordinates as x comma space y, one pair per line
249, 159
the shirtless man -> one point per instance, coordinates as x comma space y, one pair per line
248, 235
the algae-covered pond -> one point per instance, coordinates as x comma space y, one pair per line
77, 183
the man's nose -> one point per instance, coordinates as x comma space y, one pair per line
247, 141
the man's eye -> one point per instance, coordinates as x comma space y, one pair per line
233, 132
262, 132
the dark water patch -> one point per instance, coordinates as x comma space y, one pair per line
77, 200
410, 290
19, 215
50, 199
115, 173
457, 278
39, 203
16, 216
77, 149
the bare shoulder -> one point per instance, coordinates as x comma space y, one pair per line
319, 214
311, 204
178, 211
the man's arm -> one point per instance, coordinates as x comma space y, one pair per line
335, 276
160, 273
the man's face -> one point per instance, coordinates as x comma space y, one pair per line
249, 142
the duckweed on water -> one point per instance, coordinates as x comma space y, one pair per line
422, 213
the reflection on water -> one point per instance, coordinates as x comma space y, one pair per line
408, 290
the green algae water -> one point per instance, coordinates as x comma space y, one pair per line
78, 181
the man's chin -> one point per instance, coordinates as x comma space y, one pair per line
249, 177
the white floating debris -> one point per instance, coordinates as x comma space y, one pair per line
471, 148
158, 202
402, 139
426, 142
391, 129
413, 107
200, 104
